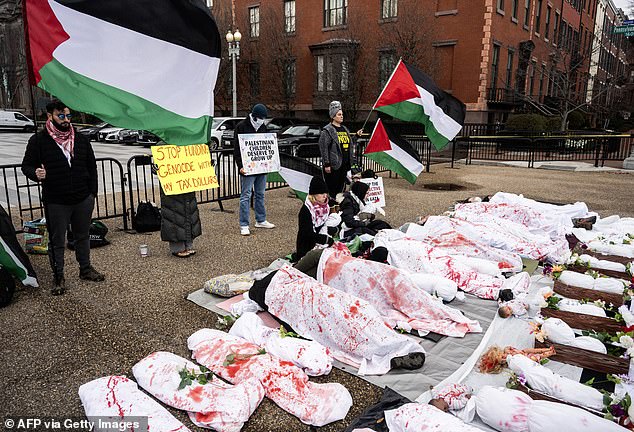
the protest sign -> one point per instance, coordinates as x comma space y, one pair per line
376, 194
184, 169
259, 152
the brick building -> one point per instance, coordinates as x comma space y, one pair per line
497, 56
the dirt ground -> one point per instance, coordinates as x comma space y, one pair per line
52, 345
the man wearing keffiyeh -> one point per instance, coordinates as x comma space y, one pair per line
64, 163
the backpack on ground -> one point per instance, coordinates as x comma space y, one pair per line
147, 218
97, 233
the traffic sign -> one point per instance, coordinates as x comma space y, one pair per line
628, 22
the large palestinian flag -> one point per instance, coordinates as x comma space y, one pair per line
297, 172
411, 95
137, 64
387, 148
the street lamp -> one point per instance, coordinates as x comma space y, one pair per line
233, 43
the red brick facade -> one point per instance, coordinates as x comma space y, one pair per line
458, 42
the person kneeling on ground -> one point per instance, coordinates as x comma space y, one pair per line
350, 327
355, 220
316, 226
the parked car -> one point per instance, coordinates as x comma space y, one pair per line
110, 134
127, 136
300, 140
219, 126
147, 139
278, 124
92, 132
16, 120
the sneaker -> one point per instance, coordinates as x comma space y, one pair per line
91, 274
265, 224
59, 286
244, 230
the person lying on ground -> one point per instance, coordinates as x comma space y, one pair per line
351, 328
415, 417
419, 257
605, 284
211, 403
236, 360
557, 331
308, 355
392, 292
316, 225
356, 221
455, 399
507, 410
494, 359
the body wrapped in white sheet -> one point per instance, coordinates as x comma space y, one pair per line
605, 284
415, 417
419, 257
553, 224
545, 381
392, 293
572, 305
509, 410
284, 383
311, 356
495, 233
623, 250
436, 285
350, 327
597, 263
566, 212
559, 332
118, 397
217, 405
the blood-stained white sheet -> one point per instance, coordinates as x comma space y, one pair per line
566, 212
119, 398
509, 410
217, 405
311, 356
350, 327
419, 257
500, 234
392, 293
535, 221
605, 284
237, 360
415, 417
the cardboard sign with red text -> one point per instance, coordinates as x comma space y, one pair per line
376, 194
182, 169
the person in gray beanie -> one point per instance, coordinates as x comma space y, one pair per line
253, 123
338, 150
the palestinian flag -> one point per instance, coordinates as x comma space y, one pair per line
12, 257
388, 149
140, 64
412, 96
297, 172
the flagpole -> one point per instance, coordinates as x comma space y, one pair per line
400, 60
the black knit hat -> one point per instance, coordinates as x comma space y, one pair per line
317, 186
360, 189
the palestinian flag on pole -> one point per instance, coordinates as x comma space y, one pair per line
389, 149
12, 257
412, 96
141, 64
297, 172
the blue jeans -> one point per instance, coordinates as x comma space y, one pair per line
247, 184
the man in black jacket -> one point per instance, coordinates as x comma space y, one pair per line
64, 163
253, 123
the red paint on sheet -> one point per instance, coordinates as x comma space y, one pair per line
196, 394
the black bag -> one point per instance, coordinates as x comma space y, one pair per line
97, 233
147, 218
7, 287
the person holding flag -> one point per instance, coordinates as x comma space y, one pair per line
338, 150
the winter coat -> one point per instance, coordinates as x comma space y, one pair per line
331, 153
244, 127
349, 209
307, 234
63, 184
180, 220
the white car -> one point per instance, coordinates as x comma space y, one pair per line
219, 126
110, 134
16, 120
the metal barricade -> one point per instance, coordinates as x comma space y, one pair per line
23, 197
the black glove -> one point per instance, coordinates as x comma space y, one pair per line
332, 231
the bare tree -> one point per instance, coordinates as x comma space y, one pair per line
222, 93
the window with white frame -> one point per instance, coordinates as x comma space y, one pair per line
527, 13
289, 16
389, 9
335, 12
254, 21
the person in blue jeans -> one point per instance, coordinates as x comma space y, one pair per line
253, 123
